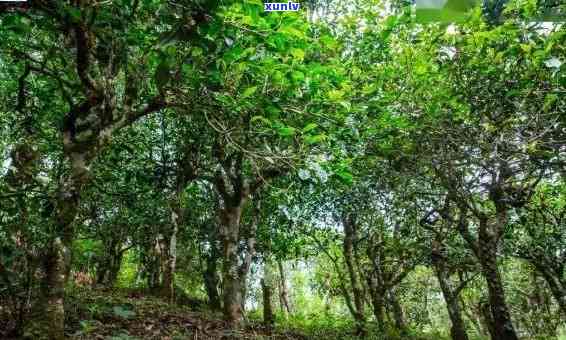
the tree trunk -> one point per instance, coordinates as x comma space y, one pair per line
487, 319
485, 249
397, 313
458, 329
378, 303
212, 280
244, 270
210, 274
58, 258
109, 268
268, 317
234, 190
377, 296
153, 264
250, 235
348, 246
115, 267
232, 290
168, 285
267, 289
244, 290
102, 271
283, 293
487, 253
53, 289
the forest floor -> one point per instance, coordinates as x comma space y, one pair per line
129, 315
133, 314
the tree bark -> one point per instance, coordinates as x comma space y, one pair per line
267, 289
348, 247
250, 235
115, 267
168, 284
487, 319
458, 329
485, 249
378, 304
234, 190
381, 282
397, 313
58, 256
230, 232
102, 270
153, 265
268, 317
109, 267
56, 263
212, 279
487, 254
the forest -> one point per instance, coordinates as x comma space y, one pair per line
208, 169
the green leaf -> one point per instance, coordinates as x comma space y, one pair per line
345, 176
310, 127
298, 53
292, 31
298, 76
196, 51
315, 139
249, 91
335, 95
273, 111
421, 69
286, 131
